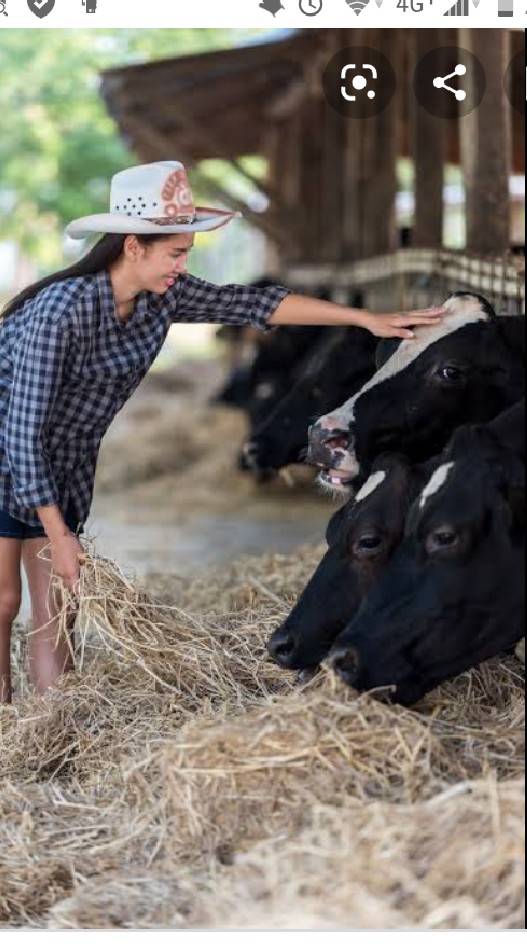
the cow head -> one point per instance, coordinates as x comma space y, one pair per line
466, 369
280, 413
361, 537
453, 593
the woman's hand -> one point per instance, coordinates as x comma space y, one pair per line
389, 325
67, 555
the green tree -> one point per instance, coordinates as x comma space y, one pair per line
58, 145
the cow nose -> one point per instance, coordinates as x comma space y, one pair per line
323, 442
345, 661
281, 647
330, 438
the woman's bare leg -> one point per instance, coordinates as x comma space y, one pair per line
10, 596
49, 656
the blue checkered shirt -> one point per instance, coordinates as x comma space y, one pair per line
68, 365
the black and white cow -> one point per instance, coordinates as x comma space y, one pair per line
453, 593
280, 412
468, 368
361, 537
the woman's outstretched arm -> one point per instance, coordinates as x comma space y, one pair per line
296, 310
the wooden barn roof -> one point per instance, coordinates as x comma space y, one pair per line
218, 104
209, 105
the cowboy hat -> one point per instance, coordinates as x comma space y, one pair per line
151, 199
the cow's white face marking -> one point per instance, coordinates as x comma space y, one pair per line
371, 485
461, 311
436, 482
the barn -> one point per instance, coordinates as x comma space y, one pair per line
331, 180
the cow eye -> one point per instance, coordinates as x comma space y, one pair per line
441, 540
367, 546
450, 373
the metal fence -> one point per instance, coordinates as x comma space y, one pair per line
409, 279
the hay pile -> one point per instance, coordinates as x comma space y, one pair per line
181, 780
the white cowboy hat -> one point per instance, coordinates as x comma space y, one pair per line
151, 199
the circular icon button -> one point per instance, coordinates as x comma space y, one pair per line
514, 82
449, 82
359, 82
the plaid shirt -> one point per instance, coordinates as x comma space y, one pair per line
68, 365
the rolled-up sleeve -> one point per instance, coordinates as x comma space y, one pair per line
40, 364
196, 301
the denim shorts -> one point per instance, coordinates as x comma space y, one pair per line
11, 527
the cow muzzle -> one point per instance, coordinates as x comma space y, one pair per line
345, 661
282, 647
331, 451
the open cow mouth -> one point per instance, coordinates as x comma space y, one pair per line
337, 478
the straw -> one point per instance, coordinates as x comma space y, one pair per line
180, 779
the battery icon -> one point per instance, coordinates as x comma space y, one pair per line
505, 7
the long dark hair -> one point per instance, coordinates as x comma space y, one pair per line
104, 253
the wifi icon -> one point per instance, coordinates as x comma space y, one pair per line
357, 5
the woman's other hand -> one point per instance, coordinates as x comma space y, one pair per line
67, 555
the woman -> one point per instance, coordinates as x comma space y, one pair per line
74, 346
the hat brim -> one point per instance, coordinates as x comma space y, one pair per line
207, 219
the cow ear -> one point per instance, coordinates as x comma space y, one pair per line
385, 350
335, 526
512, 330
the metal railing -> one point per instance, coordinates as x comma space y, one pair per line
408, 279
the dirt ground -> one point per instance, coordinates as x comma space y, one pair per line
168, 496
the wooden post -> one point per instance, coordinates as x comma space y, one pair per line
379, 162
429, 152
332, 185
351, 246
486, 147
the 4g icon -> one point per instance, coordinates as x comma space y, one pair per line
415, 6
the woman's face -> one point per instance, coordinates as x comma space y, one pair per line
158, 265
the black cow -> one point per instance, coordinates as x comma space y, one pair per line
468, 368
340, 361
275, 358
453, 593
361, 537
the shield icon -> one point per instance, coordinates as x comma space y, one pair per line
41, 8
